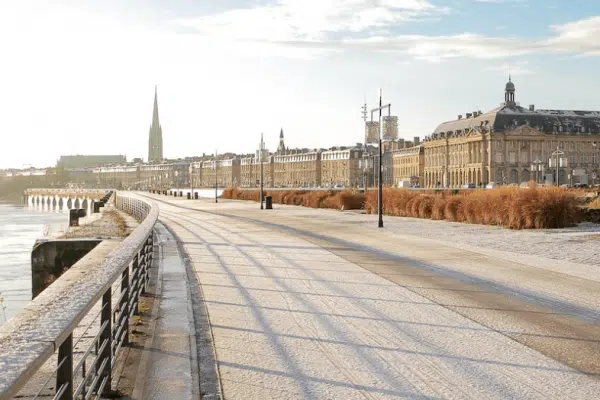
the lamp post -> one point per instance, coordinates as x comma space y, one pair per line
261, 155
556, 154
364, 165
380, 167
192, 180
216, 178
596, 159
537, 166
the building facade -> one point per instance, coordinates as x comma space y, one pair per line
342, 167
250, 172
226, 173
409, 165
297, 169
513, 145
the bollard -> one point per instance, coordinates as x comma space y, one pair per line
189, 196
268, 202
97, 205
180, 194
74, 216
196, 195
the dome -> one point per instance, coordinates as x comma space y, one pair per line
510, 86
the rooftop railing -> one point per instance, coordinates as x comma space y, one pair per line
98, 301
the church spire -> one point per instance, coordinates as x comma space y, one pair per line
281, 147
155, 111
155, 142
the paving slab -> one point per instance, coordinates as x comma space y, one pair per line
307, 304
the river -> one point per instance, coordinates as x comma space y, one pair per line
20, 226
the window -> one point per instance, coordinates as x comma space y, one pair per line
498, 157
573, 158
584, 157
512, 157
594, 158
524, 157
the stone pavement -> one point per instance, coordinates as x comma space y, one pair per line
168, 365
311, 304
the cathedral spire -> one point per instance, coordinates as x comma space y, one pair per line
155, 142
155, 111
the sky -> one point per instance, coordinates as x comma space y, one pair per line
78, 77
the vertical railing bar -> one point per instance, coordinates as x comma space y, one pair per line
107, 334
64, 373
124, 301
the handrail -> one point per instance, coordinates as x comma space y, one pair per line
46, 325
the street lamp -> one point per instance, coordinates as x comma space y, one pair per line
537, 167
261, 155
556, 154
216, 178
594, 175
192, 180
379, 183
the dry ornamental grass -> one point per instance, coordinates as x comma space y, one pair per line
512, 207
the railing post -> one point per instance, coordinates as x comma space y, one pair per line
106, 336
123, 306
150, 256
136, 285
64, 373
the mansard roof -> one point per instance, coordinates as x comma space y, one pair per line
505, 118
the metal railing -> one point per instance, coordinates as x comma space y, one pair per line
82, 299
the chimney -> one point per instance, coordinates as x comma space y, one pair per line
532, 107
416, 141
468, 115
459, 116
475, 113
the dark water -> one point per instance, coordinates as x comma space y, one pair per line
20, 226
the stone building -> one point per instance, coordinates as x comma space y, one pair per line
297, 168
196, 174
342, 167
227, 173
409, 165
157, 176
504, 144
250, 172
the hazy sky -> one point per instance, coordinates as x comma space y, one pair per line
77, 77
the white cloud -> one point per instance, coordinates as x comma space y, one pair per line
518, 68
436, 48
580, 36
308, 20
310, 28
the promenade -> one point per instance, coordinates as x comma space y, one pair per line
319, 304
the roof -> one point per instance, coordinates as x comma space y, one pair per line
90, 161
505, 118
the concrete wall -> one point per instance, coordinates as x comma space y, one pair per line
50, 258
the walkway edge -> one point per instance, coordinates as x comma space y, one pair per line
140, 379
202, 342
